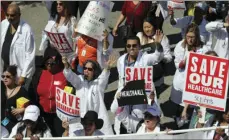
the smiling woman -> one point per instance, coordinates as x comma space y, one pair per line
13, 92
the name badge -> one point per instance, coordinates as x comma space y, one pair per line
5, 121
56, 83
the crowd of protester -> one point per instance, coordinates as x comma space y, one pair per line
88, 70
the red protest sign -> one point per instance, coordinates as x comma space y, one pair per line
67, 105
206, 81
60, 42
140, 73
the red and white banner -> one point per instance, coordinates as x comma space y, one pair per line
206, 81
140, 73
67, 105
60, 42
176, 4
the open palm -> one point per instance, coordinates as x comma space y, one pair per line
112, 59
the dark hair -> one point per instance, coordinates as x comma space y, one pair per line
149, 116
41, 127
219, 114
12, 69
96, 67
133, 38
67, 9
52, 52
211, 52
152, 21
195, 29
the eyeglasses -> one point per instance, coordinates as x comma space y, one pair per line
86, 68
7, 76
190, 37
132, 45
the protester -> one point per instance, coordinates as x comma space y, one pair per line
220, 30
61, 21
32, 125
45, 82
198, 19
151, 34
12, 93
159, 11
191, 43
18, 45
90, 88
210, 114
134, 58
134, 19
90, 48
91, 125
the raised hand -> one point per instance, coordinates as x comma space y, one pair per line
112, 59
65, 62
158, 36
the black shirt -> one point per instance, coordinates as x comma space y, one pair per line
6, 48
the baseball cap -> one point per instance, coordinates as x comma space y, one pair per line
203, 6
153, 110
32, 113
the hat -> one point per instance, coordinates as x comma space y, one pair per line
32, 113
153, 110
92, 116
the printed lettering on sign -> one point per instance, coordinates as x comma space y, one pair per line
60, 42
206, 81
67, 105
140, 73
94, 19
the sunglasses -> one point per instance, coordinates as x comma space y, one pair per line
132, 45
86, 68
7, 76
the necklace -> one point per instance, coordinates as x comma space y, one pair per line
10, 93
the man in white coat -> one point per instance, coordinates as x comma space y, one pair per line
17, 45
133, 58
220, 30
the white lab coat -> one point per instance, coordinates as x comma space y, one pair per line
221, 34
91, 96
180, 54
184, 22
210, 134
142, 129
67, 29
22, 49
47, 133
131, 121
166, 51
164, 43
143, 59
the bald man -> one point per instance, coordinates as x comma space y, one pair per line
17, 45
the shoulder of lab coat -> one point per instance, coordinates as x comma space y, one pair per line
4, 132
73, 78
166, 49
179, 53
216, 28
103, 54
183, 22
